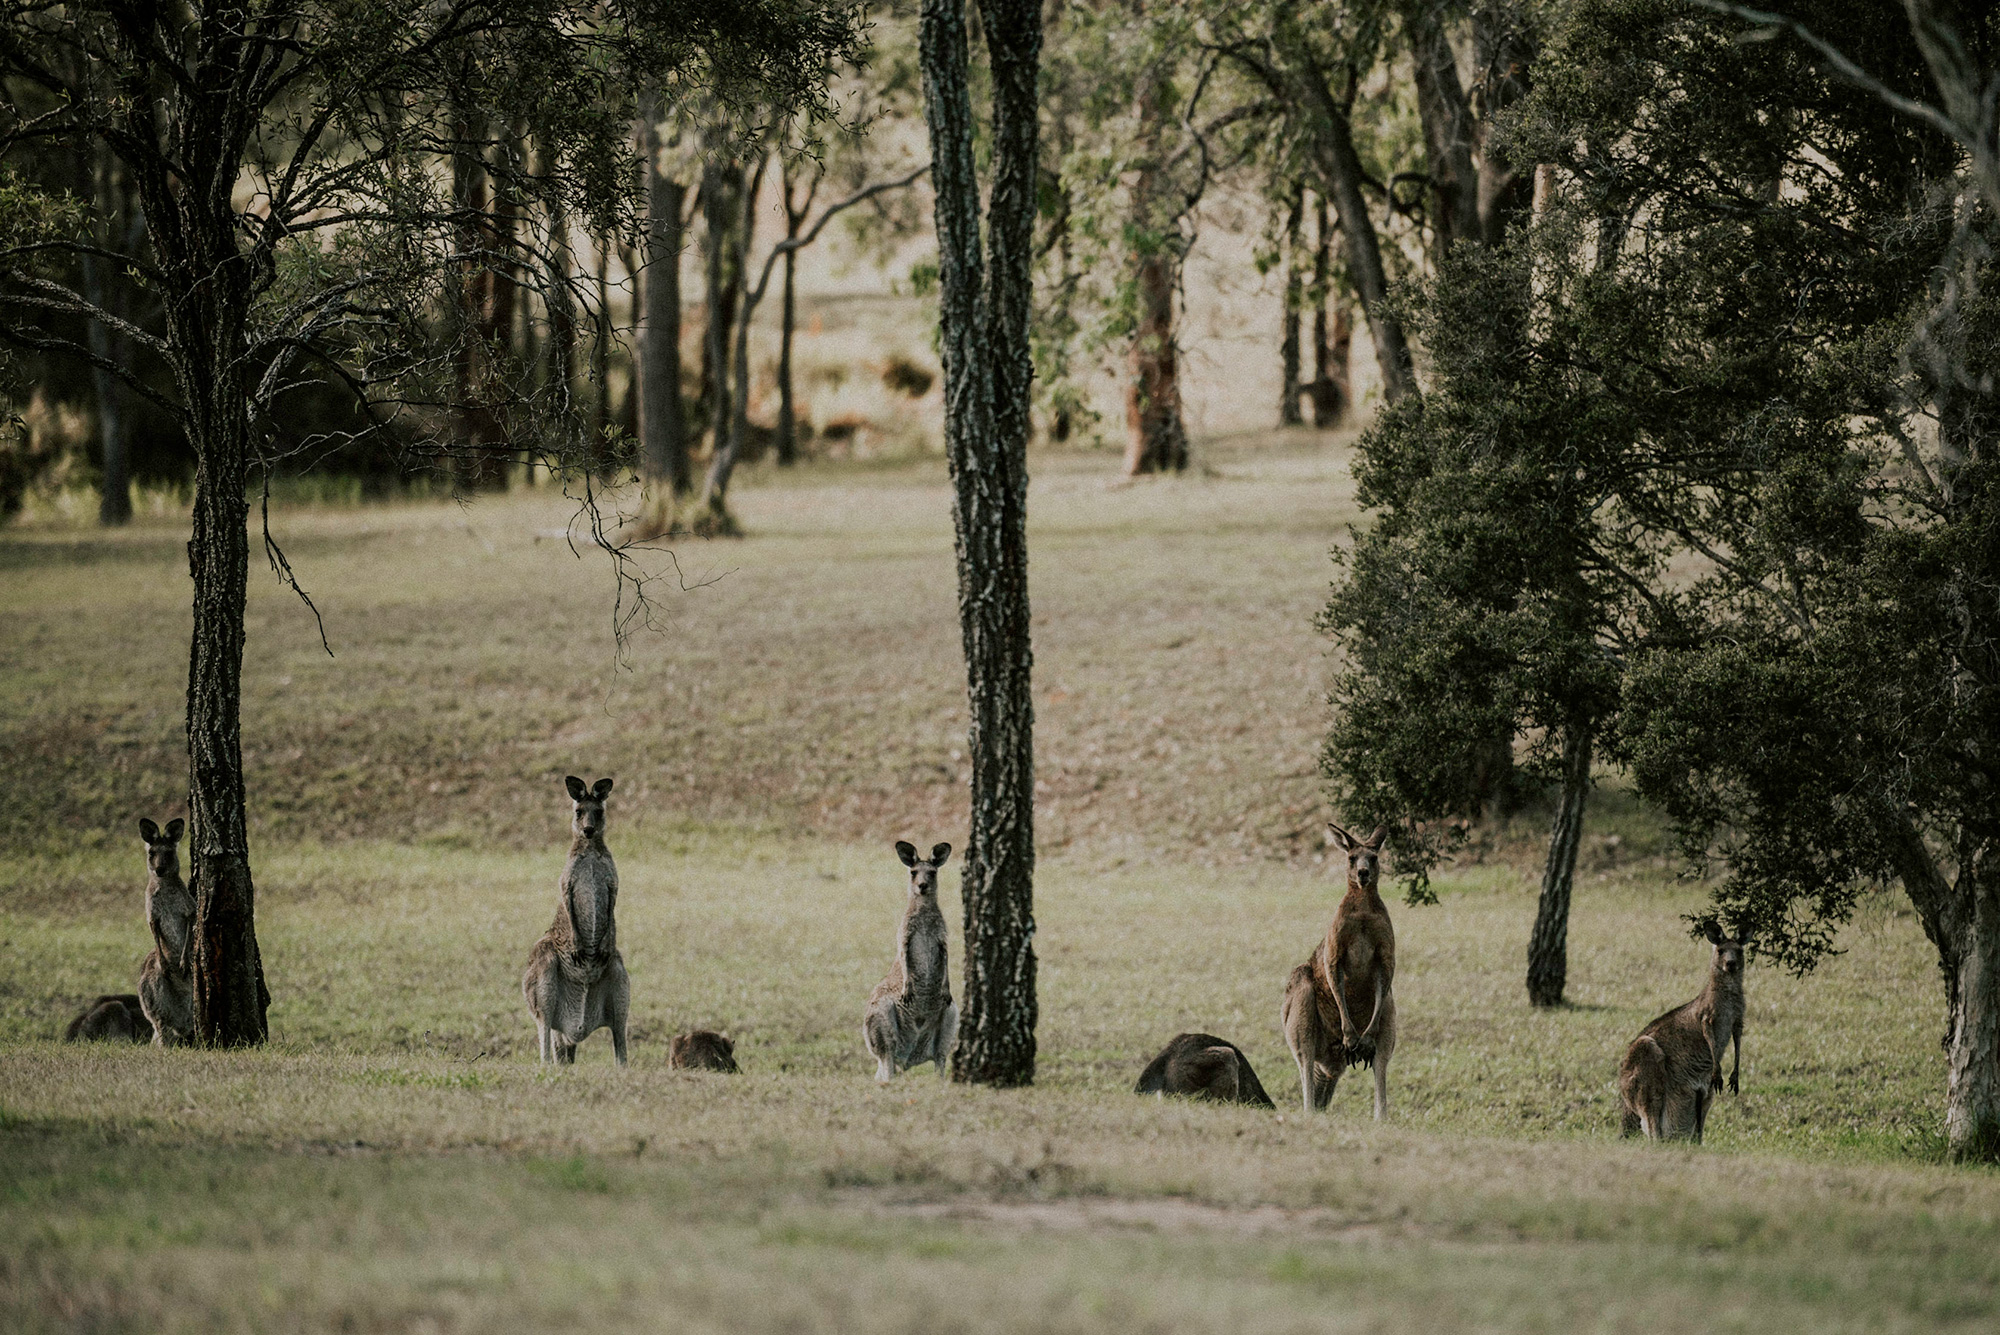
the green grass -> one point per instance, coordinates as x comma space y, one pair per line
395, 1160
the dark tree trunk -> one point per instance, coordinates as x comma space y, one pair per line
987, 370
1504, 48
1972, 1039
732, 413
114, 505
663, 443
1448, 126
1330, 385
787, 444
1548, 946
1288, 393
478, 464
1156, 438
599, 451
1331, 143
721, 183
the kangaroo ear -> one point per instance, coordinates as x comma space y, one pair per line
148, 831
602, 790
939, 853
175, 828
1347, 841
1376, 839
1712, 931
907, 851
576, 788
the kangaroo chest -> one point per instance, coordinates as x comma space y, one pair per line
926, 979
170, 909
590, 889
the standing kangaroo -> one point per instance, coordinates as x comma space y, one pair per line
1674, 1067
576, 984
1340, 1005
910, 1016
166, 985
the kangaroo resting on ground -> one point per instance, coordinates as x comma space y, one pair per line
576, 984
702, 1050
1674, 1067
910, 1016
166, 981
1202, 1066
1340, 1005
110, 1018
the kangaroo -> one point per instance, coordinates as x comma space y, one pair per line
910, 1016
110, 1018
166, 981
1202, 1066
576, 983
1673, 1069
1340, 1005
702, 1050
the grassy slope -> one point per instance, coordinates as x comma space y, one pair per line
379, 1167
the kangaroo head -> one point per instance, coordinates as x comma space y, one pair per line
1728, 949
163, 847
587, 818
1364, 856
923, 871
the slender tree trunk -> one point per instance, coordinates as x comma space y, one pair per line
1972, 1035
1288, 393
478, 464
1330, 347
206, 320
721, 183
1331, 142
114, 505
599, 451
562, 324
788, 435
1505, 51
663, 443
1156, 438
1548, 946
732, 412
1448, 125
987, 371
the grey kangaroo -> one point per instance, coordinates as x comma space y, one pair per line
109, 1019
1673, 1069
911, 1017
1202, 1066
576, 984
702, 1050
1340, 1005
166, 980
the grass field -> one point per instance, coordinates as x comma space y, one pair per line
395, 1161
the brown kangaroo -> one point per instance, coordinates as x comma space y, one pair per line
1340, 1005
1202, 1066
110, 1018
910, 1016
576, 983
166, 983
702, 1050
1673, 1069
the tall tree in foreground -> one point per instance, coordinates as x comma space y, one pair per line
294, 162
985, 295
664, 466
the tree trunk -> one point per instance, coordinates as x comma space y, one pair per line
663, 443
1972, 992
1331, 142
1548, 946
987, 371
1288, 393
1156, 438
562, 326
114, 505
599, 449
1330, 387
721, 183
787, 445
205, 335
477, 464
1448, 126
1503, 48
732, 411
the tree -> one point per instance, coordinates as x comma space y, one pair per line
295, 161
985, 295
1805, 349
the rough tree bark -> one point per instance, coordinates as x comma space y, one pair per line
1156, 438
1332, 388
983, 318
732, 406
479, 466
663, 446
1448, 126
1548, 945
1288, 348
207, 313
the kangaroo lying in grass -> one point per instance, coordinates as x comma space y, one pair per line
910, 1016
576, 984
1340, 1005
1202, 1066
702, 1050
109, 1019
1674, 1067
166, 979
